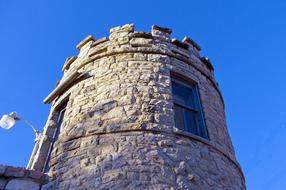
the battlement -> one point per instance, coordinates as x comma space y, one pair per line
125, 39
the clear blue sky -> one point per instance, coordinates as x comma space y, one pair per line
245, 40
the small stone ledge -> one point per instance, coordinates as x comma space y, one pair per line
162, 29
142, 35
120, 35
18, 178
125, 28
85, 41
207, 62
161, 33
191, 42
100, 41
97, 51
19, 172
180, 44
68, 62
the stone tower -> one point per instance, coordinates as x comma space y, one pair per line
137, 110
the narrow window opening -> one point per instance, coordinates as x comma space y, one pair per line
60, 111
59, 125
187, 107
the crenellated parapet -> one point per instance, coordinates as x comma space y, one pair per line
124, 39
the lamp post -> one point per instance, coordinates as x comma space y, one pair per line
8, 121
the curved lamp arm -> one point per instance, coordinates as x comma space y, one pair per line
37, 139
37, 132
7, 121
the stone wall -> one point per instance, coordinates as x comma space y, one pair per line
119, 129
15, 178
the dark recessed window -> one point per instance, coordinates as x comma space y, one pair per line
60, 112
187, 107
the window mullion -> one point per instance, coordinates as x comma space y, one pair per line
186, 107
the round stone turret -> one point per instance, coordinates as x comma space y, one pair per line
137, 110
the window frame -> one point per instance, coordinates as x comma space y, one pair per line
60, 110
201, 128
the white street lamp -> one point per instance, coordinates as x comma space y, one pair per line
8, 121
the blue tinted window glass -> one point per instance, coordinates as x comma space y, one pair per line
186, 119
187, 109
183, 95
191, 122
179, 117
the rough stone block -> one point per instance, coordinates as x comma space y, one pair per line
35, 174
191, 42
162, 29
2, 184
85, 41
125, 28
18, 184
2, 169
14, 172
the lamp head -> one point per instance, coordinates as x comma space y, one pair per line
8, 121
